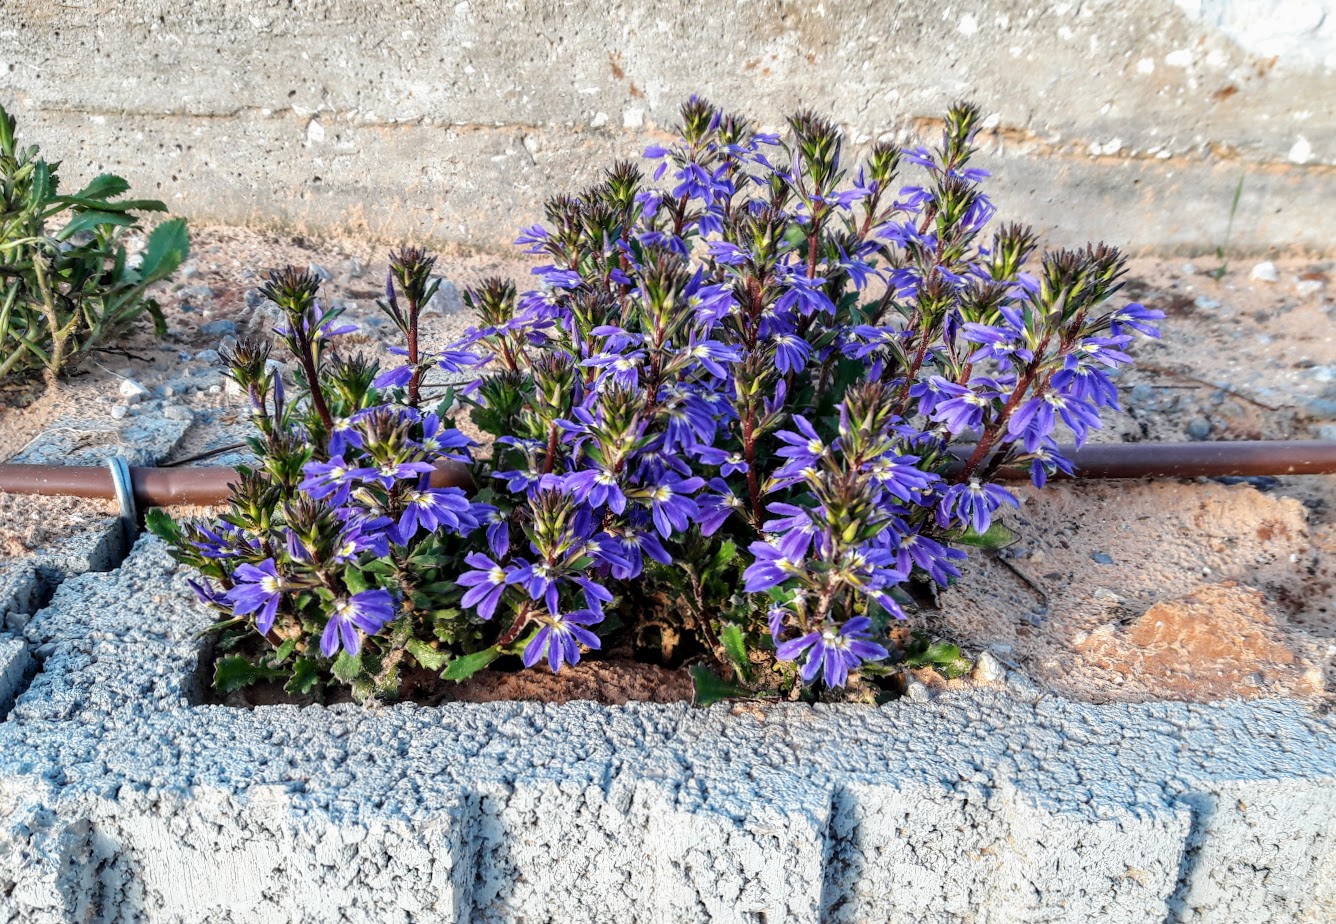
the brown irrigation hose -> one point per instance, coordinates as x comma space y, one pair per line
207, 486
161, 487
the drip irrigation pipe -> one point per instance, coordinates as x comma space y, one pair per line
208, 485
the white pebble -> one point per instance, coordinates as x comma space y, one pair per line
132, 391
1265, 272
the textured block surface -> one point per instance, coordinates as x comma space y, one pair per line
126, 802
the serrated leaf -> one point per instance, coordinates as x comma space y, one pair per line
235, 672
160, 524
709, 688
735, 645
430, 658
167, 248
465, 667
103, 187
305, 675
347, 667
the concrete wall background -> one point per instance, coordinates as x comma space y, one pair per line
1133, 121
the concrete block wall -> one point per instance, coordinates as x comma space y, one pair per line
123, 800
1132, 121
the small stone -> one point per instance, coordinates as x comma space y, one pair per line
1198, 428
254, 299
223, 327
132, 391
1103, 594
1205, 304
216, 389
1321, 408
232, 389
1325, 432
1103, 558
319, 272
1189, 269
119, 412
189, 271
355, 268
211, 357
447, 299
1142, 395
1307, 287
1264, 272
1322, 373
199, 293
987, 669
177, 412
916, 691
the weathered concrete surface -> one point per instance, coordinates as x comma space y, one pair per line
1133, 121
121, 801
27, 583
15, 666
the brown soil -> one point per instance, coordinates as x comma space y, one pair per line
1247, 575
613, 682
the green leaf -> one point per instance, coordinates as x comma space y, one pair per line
284, 651
735, 645
355, 580
710, 688
167, 248
160, 524
728, 551
997, 537
234, 672
304, 677
934, 654
430, 658
347, 667
92, 219
103, 187
465, 667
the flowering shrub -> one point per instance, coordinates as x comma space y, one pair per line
722, 428
65, 290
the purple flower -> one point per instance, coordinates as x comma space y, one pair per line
398, 377
794, 528
498, 527
368, 611
634, 544
486, 582
387, 473
207, 594
1137, 317
973, 505
806, 295
331, 481
438, 440
258, 590
791, 352
930, 555
770, 568
716, 507
711, 355
671, 505
621, 368
433, 509
596, 488
833, 652
560, 639
360, 536
963, 410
